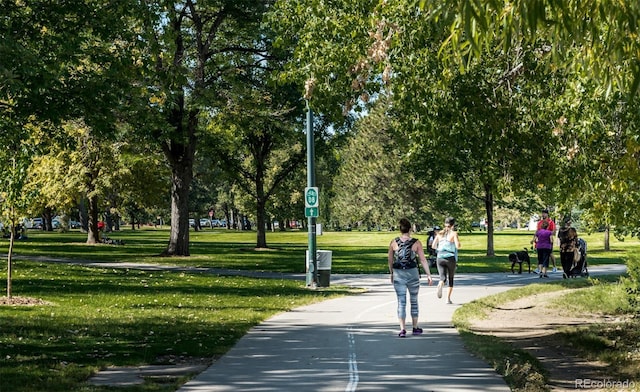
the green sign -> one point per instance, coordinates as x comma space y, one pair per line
311, 196
311, 212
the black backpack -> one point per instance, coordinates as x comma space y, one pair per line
405, 258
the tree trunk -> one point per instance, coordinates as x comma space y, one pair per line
133, 221
261, 201
116, 222
488, 205
607, 234
261, 234
47, 219
108, 221
232, 219
227, 215
180, 152
93, 234
181, 175
179, 237
12, 238
83, 215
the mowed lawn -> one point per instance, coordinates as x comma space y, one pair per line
102, 316
352, 252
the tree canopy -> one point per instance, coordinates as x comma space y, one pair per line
496, 91
479, 103
374, 186
605, 32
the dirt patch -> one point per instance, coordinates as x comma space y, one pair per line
533, 325
22, 301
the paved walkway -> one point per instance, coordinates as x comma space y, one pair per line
350, 344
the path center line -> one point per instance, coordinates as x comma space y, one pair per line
353, 363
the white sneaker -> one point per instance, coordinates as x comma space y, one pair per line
536, 271
440, 285
555, 269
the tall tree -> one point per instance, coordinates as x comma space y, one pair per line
263, 146
196, 52
597, 143
60, 60
599, 155
487, 129
16, 157
119, 177
84, 167
374, 185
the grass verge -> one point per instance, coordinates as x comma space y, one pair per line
616, 343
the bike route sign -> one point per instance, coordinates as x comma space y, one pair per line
311, 201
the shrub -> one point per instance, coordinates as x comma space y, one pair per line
632, 282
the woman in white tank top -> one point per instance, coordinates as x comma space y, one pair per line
447, 244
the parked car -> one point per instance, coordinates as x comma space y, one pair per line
205, 222
192, 222
37, 223
58, 221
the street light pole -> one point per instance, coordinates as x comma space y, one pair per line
312, 275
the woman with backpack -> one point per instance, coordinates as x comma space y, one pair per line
403, 255
446, 244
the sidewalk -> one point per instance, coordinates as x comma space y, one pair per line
351, 343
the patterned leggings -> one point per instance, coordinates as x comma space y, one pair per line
403, 281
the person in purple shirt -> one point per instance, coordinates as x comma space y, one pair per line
544, 239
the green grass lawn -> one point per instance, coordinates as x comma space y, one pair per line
98, 317
352, 252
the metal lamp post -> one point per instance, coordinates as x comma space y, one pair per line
311, 203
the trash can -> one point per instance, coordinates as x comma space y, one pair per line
323, 260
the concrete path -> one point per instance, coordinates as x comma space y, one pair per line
351, 343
